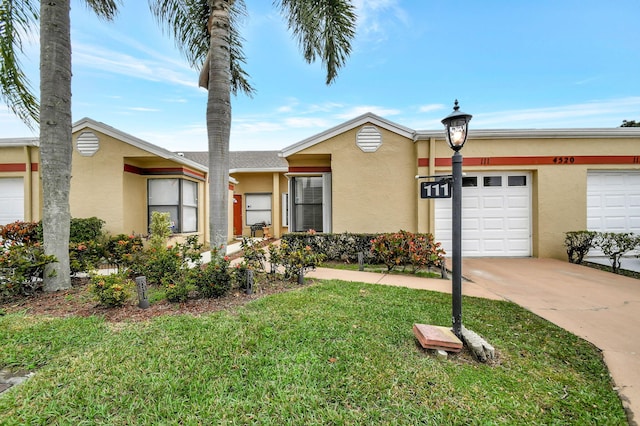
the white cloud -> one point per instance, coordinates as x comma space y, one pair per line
431, 107
306, 122
111, 61
375, 16
599, 113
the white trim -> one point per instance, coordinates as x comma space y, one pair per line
592, 133
138, 143
368, 118
17, 142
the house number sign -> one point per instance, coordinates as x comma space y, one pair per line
436, 189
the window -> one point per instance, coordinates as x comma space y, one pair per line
307, 203
258, 208
470, 181
492, 180
517, 181
179, 198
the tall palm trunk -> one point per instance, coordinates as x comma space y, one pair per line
219, 121
55, 137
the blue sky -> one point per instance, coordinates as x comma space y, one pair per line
512, 64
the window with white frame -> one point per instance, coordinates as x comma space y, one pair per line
258, 208
179, 198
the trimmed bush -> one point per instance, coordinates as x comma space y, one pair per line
111, 290
578, 244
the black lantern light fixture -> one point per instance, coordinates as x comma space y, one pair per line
456, 129
456, 125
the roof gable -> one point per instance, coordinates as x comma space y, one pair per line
87, 123
368, 118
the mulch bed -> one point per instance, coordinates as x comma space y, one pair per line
77, 301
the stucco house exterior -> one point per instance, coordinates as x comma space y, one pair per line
522, 189
115, 176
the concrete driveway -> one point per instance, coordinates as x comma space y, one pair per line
598, 306
601, 307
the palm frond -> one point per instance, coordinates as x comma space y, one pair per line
105, 9
17, 19
323, 28
187, 20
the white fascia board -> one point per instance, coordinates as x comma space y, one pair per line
368, 118
586, 133
139, 143
258, 170
18, 142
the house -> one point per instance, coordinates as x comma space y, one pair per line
115, 176
522, 189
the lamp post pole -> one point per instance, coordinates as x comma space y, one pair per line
456, 131
456, 279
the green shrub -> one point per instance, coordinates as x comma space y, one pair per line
578, 244
111, 290
297, 258
615, 245
22, 260
19, 232
405, 248
159, 229
85, 229
214, 280
158, 262
85, 256
121, 250
178, 285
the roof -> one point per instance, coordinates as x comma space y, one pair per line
415, 135
139, 143
18, 142
244, 161
585, 133
351, 124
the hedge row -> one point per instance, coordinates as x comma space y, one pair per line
614, 245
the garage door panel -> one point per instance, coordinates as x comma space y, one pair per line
613, 201
11, 200
520, 201
493, 224
493, 202
496, 220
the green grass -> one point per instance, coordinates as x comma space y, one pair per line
330, 353
381, 269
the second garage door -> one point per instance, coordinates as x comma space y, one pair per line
496, 215
11, 200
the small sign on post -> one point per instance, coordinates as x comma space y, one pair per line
436, 189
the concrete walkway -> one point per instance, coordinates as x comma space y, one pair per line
600, 307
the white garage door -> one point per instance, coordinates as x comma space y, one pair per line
496, 215
613, 201
11, 200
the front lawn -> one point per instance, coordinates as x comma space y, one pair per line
329, 353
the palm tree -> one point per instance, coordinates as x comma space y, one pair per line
54, 111
206, 32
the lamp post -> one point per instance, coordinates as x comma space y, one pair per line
456, 133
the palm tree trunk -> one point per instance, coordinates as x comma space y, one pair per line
55, 137
219, 122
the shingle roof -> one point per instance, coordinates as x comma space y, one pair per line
243, 160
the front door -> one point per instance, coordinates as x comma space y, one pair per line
237, 214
